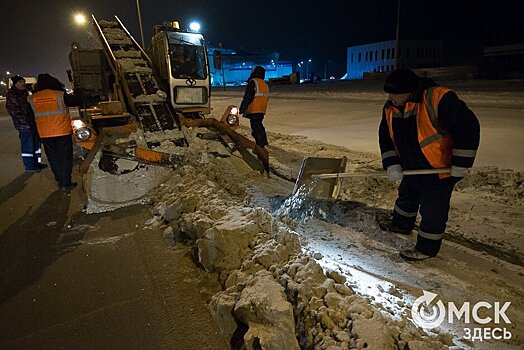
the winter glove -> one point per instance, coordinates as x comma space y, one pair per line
395, 172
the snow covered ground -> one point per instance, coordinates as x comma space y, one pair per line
323, 268
348, 113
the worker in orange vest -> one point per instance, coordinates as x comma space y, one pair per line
254, 104
50, 104
424, 126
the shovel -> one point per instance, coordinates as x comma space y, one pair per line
377, 173
330, 170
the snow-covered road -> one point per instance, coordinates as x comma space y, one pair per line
347, 114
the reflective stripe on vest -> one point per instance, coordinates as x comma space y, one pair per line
260, 101
51, 113
435, 142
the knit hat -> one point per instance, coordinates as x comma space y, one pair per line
401, 81
16, 79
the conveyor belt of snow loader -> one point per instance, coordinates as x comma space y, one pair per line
133, 69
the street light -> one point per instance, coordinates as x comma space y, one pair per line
140, 22
80, 19
8, 73
307, 69
397, 37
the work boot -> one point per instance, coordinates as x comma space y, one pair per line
68, 187
42, 165
387, 225
37, 170
412, 254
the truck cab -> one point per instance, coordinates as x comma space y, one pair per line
181, 61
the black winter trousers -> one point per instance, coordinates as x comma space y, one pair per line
257, 128
59, 152
431, 196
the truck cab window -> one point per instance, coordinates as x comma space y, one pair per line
187, 61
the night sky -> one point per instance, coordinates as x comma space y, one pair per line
36, 35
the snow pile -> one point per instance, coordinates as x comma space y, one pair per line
274, 296
107, 24
498, 185
501, 185
127, 54
375, 191
131, 65
116, 36
159, 97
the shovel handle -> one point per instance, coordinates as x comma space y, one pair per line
426, 171
376, 173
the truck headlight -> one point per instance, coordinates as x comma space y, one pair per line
77, 124
230, 117
232, 120
83, 134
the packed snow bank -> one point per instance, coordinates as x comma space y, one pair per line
275, 296
107, 192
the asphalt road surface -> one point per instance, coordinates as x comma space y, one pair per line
74, 281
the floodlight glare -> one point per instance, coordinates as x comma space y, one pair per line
194, 26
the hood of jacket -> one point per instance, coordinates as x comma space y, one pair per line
258, 72
423, 84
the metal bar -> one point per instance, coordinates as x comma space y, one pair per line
107, 48
140, 21
144, 54
84, 167
261, 152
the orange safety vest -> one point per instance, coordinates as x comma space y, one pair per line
436, 143
51, 113
259, 103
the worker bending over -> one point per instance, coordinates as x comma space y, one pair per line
424, 126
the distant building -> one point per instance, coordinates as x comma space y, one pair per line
380, 57
237, 67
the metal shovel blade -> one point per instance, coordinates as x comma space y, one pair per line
313, 166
